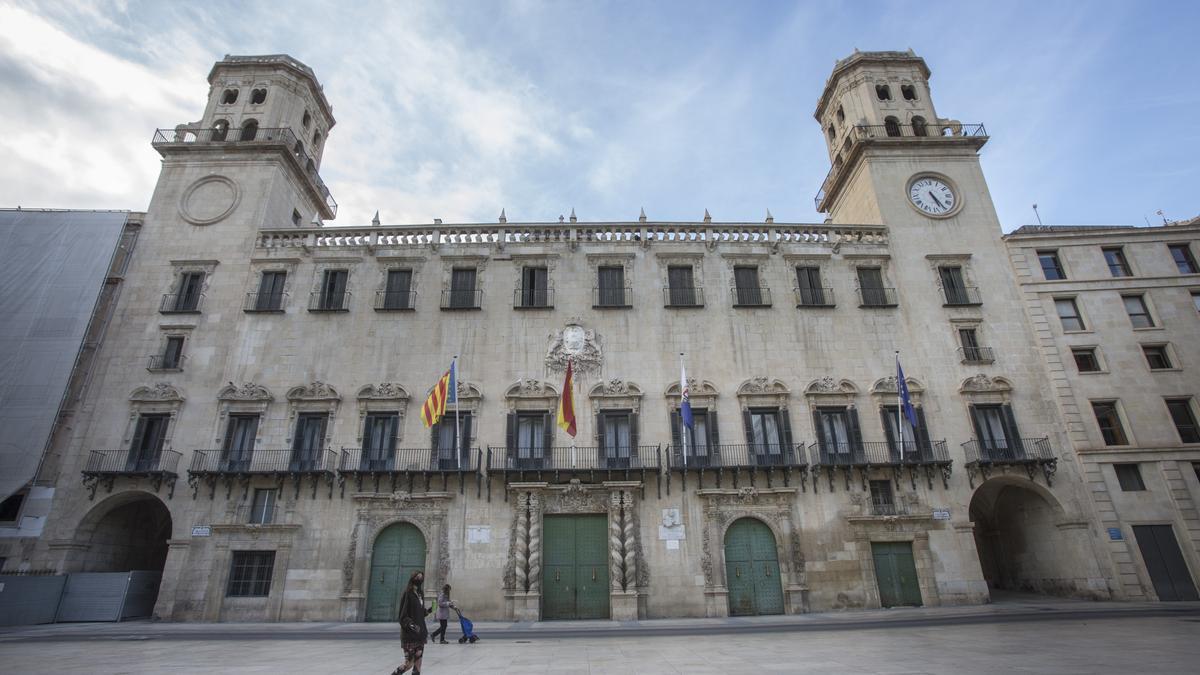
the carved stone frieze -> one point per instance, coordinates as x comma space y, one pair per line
384, 391
156, 393
245, 392
574, 343
314, 391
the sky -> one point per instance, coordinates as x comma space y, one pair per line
455, 110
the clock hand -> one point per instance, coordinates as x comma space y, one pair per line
935, 199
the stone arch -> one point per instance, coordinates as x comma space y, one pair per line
126, 531
768, 584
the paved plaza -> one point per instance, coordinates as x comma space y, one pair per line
1020, 638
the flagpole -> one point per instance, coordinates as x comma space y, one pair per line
570, 363
899, 408
683, 431
457, 427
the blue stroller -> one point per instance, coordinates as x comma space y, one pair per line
468, 629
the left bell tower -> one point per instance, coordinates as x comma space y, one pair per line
253, 159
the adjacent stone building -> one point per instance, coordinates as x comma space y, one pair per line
272, 463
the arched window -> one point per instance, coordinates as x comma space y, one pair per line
257, 96
837, 161
307, 120
229, 96
220, 130
884, 92
918, 124
892, 126
832, 133
312, 168
316, 140
249, 130
909, 92
841, 115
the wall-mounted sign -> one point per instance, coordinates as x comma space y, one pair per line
479, 534
1114, 534
201, 531
941, 514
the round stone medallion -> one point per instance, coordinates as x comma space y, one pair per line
209, 200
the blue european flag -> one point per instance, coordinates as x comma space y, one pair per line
905, 400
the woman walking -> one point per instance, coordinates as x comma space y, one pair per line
444, 604
412, 624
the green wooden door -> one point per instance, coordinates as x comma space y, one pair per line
752, 569
399, 551
575, 567
896, 574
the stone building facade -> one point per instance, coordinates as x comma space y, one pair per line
278, 469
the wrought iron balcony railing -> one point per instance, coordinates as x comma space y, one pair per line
888, 509
877, 297
180, 303
407, 460
263, 461
1009, 451
462, 299
164, 363
752, 456
961, 296
877, 453
683, 296
266, 302
814, 297
751, 296
976, 355
320, 301
566, 459
611, 297
282, 136
395, 301
533, 298
105, 466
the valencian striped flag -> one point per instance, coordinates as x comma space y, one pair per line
566, 405
445, 391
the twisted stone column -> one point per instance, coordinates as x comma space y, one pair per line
521, 563
628, 538
616, 545
535, 542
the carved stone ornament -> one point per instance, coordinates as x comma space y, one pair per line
384, 391
828, 386
577, 498
527, 388
155, 394
246, 392
576, 344
887, 385
983, 383
824, 384
314, 391
762, 385
696, 389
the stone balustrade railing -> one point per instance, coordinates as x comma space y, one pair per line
573, 234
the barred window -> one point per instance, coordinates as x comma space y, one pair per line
250, 574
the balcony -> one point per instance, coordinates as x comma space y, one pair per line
237, 139
105, 466
814, 297
913, 455
161, 363
591, 463
976, 355
947, 133
180, 303
265, 303
768, 458
609, 297
210, 465
1029, 454
961, 296
680, 297
398, 468
395, 301
320, 301
533, 298
462, 299
888, 508
877, 297
751, 296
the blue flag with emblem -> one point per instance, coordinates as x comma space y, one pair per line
905, 400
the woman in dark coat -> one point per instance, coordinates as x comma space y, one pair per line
413, 631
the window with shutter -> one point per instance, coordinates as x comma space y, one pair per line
748, 291
681, 286
397, 291
462, 287
611, 286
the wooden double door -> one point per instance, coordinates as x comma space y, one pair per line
896, 574
575, 567
752, 569
1164, 562
399, 551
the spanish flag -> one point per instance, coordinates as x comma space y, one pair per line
445, 391
566, 405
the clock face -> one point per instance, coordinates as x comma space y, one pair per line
932, 196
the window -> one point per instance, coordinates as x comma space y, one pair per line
308, 441
535, 287
883, 92
1184, 262
870, 285
909, 92
971, 351
810, 290
1118, 266
1157, 357
270, 292
618, 434
238, 448
397, 290
996, 429
316, 142
769, 435
611, 286
841, 114
832, 133
838, 435
747, 290
1139, 314
915, 445
148, 438
229, 96
262, 509
953, 286
187, 294
882, 501
249, 130
892, 126
681, 287
1085, 359
220, 130
1130, 477
1051, 267
379, 441
918, 125
462, 288
453, 431
306, 120
10, 509
172, 355
701, 440
332, 295
1184, 419
529, 437
250, 574
295, 217
1110, 422
258, 96
1068, 313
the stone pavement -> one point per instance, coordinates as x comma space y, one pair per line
1045, 637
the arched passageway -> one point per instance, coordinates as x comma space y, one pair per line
125, 533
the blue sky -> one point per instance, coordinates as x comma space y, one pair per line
455, 110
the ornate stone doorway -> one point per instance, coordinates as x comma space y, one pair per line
399, 551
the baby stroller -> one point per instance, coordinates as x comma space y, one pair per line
468, 629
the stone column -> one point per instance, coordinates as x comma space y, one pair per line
175, 566
623, 594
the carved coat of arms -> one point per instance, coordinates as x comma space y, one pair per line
577, 344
